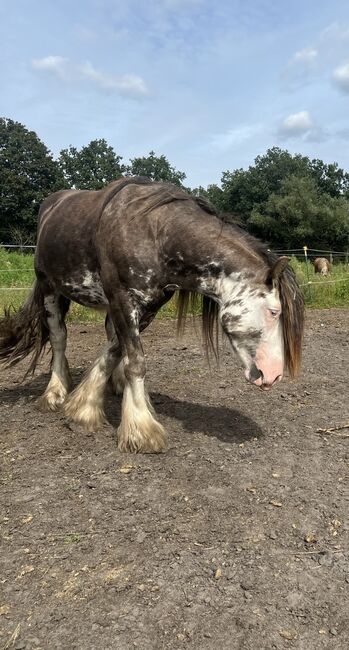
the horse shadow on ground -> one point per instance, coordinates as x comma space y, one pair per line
222, 422
226, 424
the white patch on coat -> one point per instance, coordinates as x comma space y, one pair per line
221, 288
88, 280
134, 316
144, 278
144, 297
89, 291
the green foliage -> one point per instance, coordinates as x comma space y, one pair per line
91, 168
28, 174
243, 190
299, 213
213, 194
290, 201
330, 178
155, 167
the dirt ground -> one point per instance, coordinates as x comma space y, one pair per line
235, 538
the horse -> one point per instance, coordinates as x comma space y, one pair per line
322, 265
126, 249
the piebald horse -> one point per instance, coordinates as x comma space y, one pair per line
126, 249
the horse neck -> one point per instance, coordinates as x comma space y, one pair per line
213, 259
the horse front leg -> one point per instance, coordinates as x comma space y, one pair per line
139, 431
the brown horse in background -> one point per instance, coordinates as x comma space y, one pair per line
126, 249
322, 265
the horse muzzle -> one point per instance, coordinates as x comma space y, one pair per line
255, 376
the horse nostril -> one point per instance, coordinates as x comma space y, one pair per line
266, 386
255, 373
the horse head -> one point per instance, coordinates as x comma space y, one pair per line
262, 316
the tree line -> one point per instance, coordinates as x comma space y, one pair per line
286, 200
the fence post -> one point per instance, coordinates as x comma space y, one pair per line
305, 248
308, 291
331, 258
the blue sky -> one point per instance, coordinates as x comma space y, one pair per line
211, 85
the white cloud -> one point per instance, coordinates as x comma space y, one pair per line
296, 125
307, 55
131, 84
301, 68
128, 85
53, 64
335, 32
231, 137
341, 77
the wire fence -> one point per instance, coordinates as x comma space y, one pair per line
311, 253
304, 254
19, 246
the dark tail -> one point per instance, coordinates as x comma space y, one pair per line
24, 332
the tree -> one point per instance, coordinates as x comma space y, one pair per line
300, 214
91, 168
330, 178
213, 194
28, 174
155, 167
245, 190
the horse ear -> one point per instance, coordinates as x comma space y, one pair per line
277, 269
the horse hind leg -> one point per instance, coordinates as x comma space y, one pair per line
56, 307
85, 405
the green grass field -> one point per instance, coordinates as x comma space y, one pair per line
17, 276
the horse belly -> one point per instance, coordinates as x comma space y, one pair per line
87, 290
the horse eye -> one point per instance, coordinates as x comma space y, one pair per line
274, 312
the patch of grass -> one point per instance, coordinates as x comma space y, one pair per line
16, 269
321, 292
72, 538
17, 276
79, 314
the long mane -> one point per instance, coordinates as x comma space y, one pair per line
292, 304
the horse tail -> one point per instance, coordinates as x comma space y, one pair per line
24, 331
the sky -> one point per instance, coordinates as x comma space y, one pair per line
209, 84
